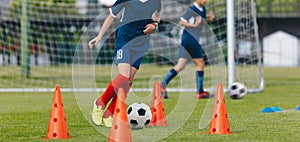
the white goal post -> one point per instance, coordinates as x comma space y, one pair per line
232, 44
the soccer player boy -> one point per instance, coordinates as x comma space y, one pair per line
191, 20
139, 18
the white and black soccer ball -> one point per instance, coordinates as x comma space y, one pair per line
237, 90
139, 115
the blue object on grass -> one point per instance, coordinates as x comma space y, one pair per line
276, 108
267, 110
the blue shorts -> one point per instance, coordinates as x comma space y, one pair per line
126, 55
192, 48
130, 49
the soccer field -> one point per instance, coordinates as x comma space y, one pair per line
25, 116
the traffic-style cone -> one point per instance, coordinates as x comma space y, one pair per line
57, 127
157, 108
219, 123
120, 130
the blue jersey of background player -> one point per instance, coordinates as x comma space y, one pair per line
139, 18
192, 33
191, 47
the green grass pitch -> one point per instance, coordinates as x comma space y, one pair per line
25, 116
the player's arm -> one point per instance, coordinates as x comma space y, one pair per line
211, 17
151, 27
114, 10
185, 23
108, 21
184, 20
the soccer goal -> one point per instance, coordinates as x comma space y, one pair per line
44, 43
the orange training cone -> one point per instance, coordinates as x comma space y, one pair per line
120, 130
57, 127
157, 108
219, 123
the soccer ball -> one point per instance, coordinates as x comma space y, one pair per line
139, 115
237, 90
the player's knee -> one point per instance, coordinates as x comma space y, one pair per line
199, 64
200, 67
179, 68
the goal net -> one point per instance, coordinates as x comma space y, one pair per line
44, 43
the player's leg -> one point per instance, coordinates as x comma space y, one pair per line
180, 64
122, 58
137, 58
200, 64
174, 71
133, 69
101, 102
182, 61
108, 114
112, 88
110, 109
200, 79
196, 52
120, 81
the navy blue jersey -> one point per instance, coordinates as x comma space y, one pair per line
191, 35
130, 40
190, 17
136, 14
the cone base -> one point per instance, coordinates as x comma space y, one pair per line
57, 138
226, 133
218, 133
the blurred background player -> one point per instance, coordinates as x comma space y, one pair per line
191, 20
139, 19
